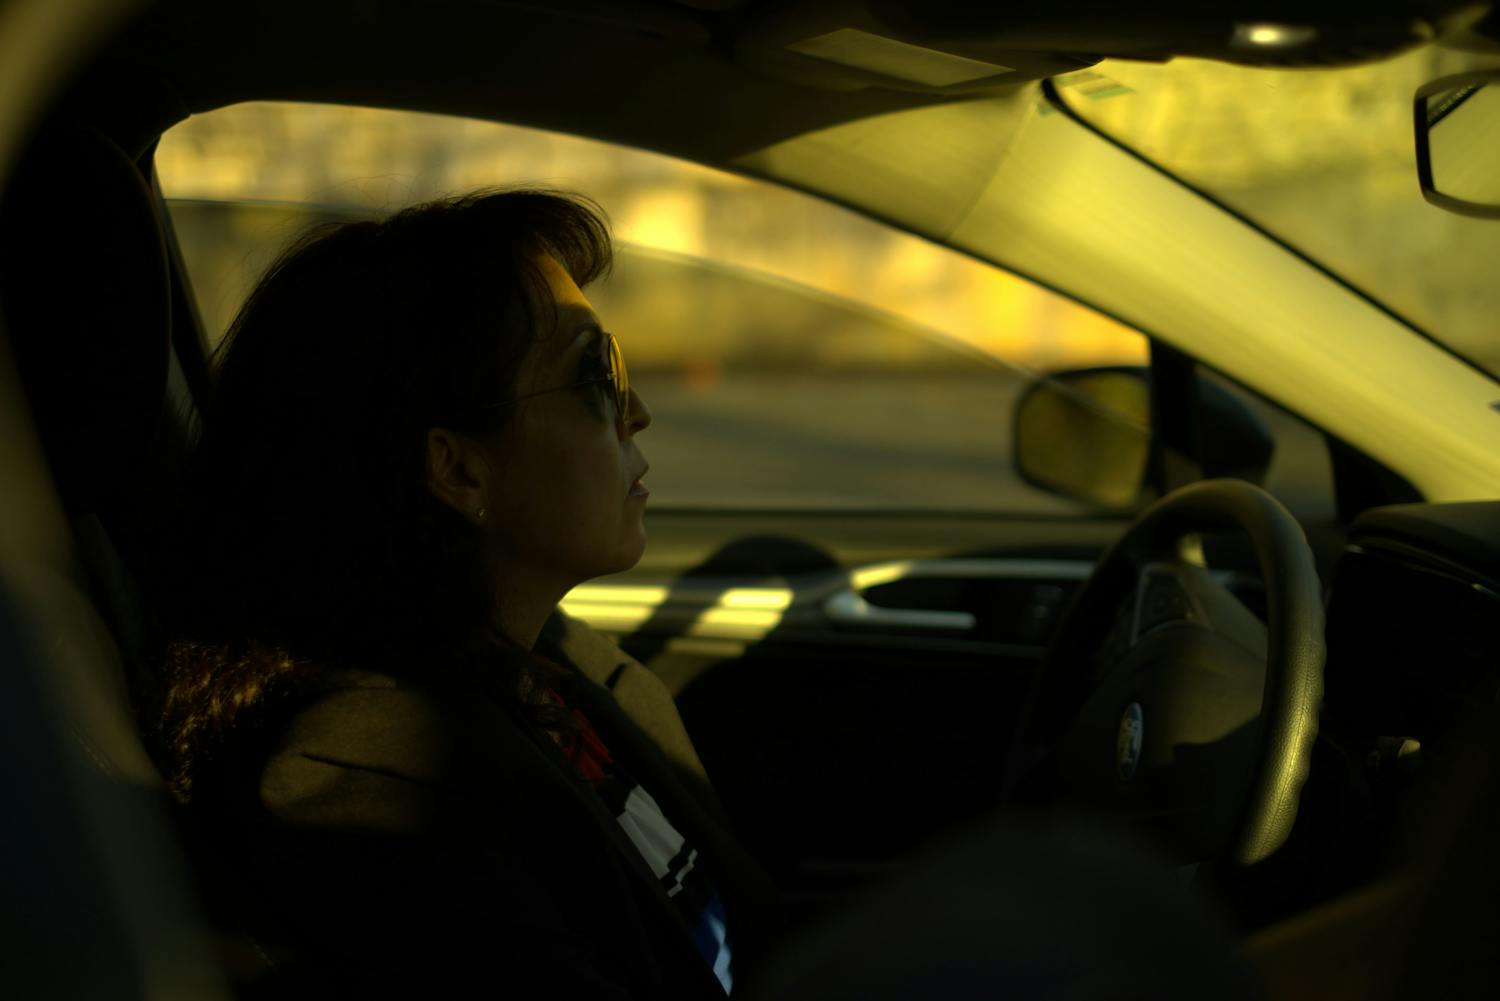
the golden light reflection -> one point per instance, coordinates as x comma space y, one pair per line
608, 617
882, 573
737, 623
737, 613
777, 599
617, 594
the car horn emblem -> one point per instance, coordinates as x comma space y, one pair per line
1128, 743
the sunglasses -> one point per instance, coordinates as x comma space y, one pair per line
616, 376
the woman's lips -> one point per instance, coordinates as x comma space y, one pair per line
638, 488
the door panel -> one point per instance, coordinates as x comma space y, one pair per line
851, 682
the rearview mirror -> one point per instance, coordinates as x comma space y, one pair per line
1458, 143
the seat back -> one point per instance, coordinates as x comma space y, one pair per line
99, 883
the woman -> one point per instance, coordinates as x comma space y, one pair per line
404, 770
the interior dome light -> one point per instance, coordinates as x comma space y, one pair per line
1271, 36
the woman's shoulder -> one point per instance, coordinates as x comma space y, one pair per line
370, 744
366, 718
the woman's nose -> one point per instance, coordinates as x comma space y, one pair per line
639, 414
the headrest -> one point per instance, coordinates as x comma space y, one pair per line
85, 294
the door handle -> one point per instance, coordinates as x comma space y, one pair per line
849, 608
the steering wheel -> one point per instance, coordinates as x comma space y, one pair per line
1165, 700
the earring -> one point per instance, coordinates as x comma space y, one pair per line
479, 514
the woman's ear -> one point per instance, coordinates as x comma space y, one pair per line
458, 473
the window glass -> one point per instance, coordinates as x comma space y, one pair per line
1324, 158
796, 355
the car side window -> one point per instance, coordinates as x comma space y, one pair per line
796, 355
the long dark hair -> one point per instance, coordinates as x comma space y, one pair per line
306, 539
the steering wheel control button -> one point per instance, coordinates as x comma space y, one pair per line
1163, 600
1128, 741
1395, 756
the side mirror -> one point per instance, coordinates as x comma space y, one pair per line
1086, 434
1458, 143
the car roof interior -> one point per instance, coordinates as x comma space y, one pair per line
616, 71
113, 372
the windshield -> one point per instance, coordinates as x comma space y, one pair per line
1323, 160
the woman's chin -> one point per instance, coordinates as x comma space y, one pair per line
629, 553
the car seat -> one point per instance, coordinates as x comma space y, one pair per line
99, 900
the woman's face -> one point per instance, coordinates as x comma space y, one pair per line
564, 502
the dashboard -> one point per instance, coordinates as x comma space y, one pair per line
1413, 673
1414, 626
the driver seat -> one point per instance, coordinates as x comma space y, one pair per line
95, 872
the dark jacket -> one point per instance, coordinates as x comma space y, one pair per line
410, 839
